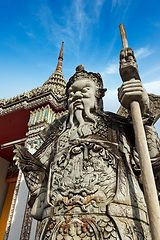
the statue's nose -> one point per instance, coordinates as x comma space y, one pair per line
78, 94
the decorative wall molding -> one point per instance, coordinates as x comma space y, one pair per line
8, 226
27, 223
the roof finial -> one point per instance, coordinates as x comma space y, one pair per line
60, 59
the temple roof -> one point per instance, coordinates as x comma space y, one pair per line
53, 91
57, 81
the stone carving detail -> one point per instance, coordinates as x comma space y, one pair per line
80, 228
75, 229
84, 179
89, 179
128, 65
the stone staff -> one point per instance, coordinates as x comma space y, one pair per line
149, 186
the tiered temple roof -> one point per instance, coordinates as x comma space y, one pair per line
52, 91
16, 113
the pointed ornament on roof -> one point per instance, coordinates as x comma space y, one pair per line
56, 81
60, 59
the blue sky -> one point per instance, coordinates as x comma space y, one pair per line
32, 32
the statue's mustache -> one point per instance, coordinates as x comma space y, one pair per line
78, 104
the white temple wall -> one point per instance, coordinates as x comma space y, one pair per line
19, 210
33, 229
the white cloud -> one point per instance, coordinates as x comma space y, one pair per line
153, 87
74, 25
110, 101
30, 34
114, 3
98, 6
151, 71
121, 3
111, 69
79, 20
143, 52
157, 24
22, 25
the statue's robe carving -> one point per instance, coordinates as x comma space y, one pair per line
86, 187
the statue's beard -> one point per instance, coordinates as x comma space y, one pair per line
82, 114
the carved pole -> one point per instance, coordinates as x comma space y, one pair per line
149, 186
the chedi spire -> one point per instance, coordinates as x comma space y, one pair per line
60, 59
56, 81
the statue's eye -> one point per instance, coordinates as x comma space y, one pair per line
71, 94
84, 90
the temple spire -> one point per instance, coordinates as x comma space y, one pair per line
60, 59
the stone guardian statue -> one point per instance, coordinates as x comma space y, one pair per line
85, 180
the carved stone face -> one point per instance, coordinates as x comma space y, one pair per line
82, 94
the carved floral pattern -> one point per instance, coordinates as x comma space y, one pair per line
76, 228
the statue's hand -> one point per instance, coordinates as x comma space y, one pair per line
34, 171
133, 90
